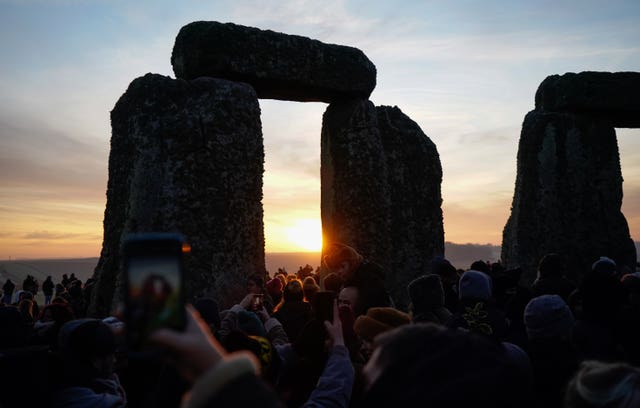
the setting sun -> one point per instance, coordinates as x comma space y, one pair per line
305, 234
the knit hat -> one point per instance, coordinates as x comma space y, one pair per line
426, 293
274, 287
379, 320
547, 316
605, 266
250, 323
475, 285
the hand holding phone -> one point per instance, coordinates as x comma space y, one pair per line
154, 281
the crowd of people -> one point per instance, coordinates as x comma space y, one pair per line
474, 337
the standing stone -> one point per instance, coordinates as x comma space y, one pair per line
186, 156
278, 66
355, 199
414, 177
568, 195
381, 178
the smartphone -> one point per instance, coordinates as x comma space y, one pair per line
323, 305
258, 301
153, 267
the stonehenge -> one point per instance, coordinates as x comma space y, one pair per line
187, 156
568, 191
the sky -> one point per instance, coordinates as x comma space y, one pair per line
465, 71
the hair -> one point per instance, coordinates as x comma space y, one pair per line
338, 253
26, 309
309, 288
292, 292
599, 384
333, 282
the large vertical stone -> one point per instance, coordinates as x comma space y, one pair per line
354, 190
414, 177
186, 156
568, 195
381, 178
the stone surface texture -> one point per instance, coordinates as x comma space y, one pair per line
381, 178
568, 195
612, 97
278, 66
186, 156
414, 179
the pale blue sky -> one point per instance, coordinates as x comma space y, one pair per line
465, 71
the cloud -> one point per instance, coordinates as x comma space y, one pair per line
58, 236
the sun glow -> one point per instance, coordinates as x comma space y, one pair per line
306, 234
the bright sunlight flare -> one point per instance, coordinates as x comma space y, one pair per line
306, 234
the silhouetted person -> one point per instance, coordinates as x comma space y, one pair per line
47, 289
7, 291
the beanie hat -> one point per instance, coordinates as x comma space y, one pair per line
604, 265
547, 316
426, 293
379, 320
475, 285
274, 287
250, 323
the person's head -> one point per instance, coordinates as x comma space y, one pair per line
48, 278
475, 285
443, 268
604, 266
348, 297
333, 282
377, 321
342, 260
309, 288
599, 384
551, 265
59, 313
255, 284
292, 291
208, 309
426, 293
548, 317
274, 288
480, 266
87, 347
448, 368
26, 308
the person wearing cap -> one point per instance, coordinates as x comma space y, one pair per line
377, 320
427, 300
549, 324
477, 311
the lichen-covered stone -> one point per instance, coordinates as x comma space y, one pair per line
568, 195
278, 66
414, 177
381, 178
355, 199
608, 96
186, 156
